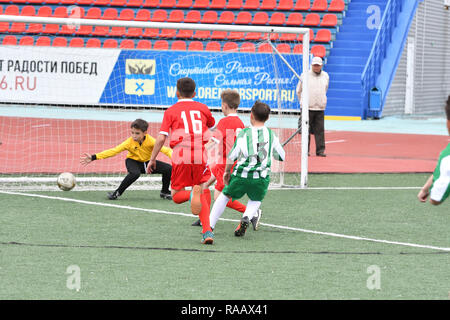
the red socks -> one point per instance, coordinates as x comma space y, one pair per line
204, 213
236, 205
181, 196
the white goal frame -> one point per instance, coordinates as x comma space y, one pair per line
209, 27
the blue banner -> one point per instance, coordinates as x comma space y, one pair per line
149, 78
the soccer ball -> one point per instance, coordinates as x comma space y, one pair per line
66, 181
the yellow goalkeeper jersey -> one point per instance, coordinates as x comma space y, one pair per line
136, 151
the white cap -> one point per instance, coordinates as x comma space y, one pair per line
317, 60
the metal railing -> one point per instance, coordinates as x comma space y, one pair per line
379, 49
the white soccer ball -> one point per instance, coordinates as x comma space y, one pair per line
66, 181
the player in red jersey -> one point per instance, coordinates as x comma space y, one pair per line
224, 137
187, 122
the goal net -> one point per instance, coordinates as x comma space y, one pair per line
57, 103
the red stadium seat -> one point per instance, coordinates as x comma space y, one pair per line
329, 20
185, 34
12, 10
117, 32
93, 13
44, 11
243, 17
134, 32
168, 33
159, 15
67, 30
101, 2
302, 5
312, 19
118, 3
247, 47
151, 33
261, 18
234, 4
143, 15
26, 41
219, 35
59, 42
202, 34
255, 36
176, 16
336, 5
277, 18
100, 31
84, 31
161, 45
268, 5
218, 4
17, 27
183, 4
294, 19
68, 2
52, 1
319, 5
126, 15
76, 12
9, 40
193, 16
318, 51
33, 28
179, 45
285, 5
230, 47
236, 35
135, 3
298, 48
28, 11
167, 4
93, 43
51, 28
323, 35
76, 43
251, 4
213, 46
227, 17
127, 44
195, 46
201, 4
110, 14
265, 47
85, 2
4, 27
35, 1
144, 45
209, 17
110, 43
60, 12
43, 42
288, 37
150, 3
283, 48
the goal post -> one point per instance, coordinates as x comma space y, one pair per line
281, 67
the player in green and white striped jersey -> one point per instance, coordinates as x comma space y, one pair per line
253, 151
438, 184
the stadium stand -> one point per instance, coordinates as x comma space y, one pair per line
322, 16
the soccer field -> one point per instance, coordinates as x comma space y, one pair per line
356, 236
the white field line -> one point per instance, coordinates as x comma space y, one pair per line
329, 234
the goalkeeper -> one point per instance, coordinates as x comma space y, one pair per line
253, 150
140, 147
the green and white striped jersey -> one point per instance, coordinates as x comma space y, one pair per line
440, 190
253, 150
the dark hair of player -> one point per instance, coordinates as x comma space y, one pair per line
231, 98
140, 125
260, 111
186, 87
447, 108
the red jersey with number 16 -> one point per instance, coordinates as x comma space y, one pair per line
187, 121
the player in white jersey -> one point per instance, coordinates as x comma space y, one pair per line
253, 151
438, 184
